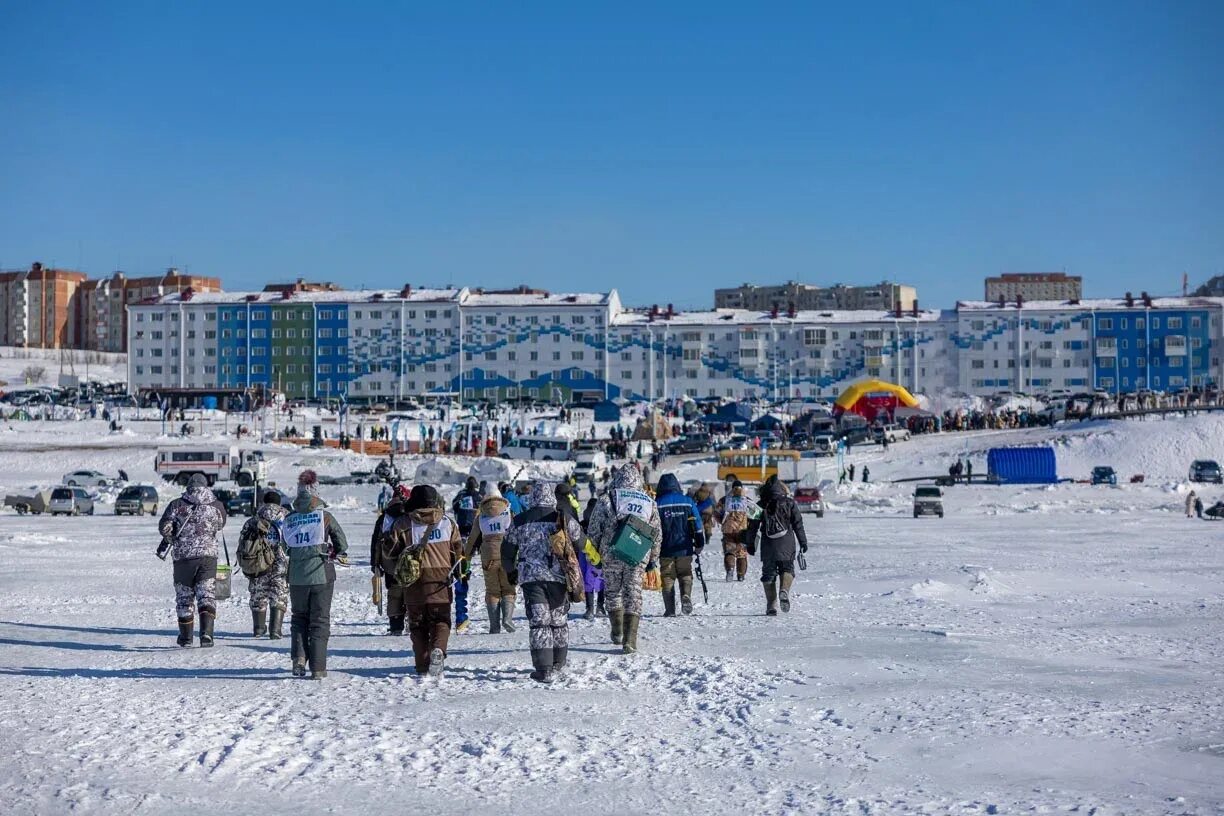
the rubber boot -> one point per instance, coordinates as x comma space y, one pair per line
276, 623
669, 602
259, 622
600, 609
318, 657
542, 662
495, 623
507, 613
590, 606
784, 594
560, 656
186, 631
686, 595
617, 618
631, 633
395, 625
437, 662
771, 598
741, 568
207, 617
730, 575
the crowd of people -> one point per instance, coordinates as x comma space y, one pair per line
630, 537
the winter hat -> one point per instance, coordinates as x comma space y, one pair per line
490, 491
271, 497
471, 483
308, 484
198, 480
422, 497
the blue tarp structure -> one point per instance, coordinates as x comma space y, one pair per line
607, 411
1029, 465
735, 414
769, 422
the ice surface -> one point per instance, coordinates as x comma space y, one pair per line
1047, 649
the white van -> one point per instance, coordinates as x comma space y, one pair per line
588, 464
540, 448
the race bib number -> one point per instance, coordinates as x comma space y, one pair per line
737, 504
440, 533
467, 503
634, 503
304, 530
495, 525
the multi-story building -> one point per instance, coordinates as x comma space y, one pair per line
1042, 286
104, 302
385, 346
883, 296
38, 307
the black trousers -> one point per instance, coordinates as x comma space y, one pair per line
310, 626
771, 569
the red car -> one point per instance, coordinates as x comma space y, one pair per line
810, 501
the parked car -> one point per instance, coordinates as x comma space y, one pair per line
1206, 470
824, 444
1104, 474
70, 501
893, 432
87, 478
241, 503
693, 443
809, 500
136, 500
590, 463
733, 442
928, 501
801, 442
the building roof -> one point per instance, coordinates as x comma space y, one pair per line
354, 297
742, 317
1088, 304
535, 298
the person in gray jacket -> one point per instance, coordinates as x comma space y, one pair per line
316, 543
626, 495
190, 526
542, 577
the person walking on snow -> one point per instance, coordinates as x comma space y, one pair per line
734, 509
1190, 504
493, 521
780, 526
316, 544
464, 508
626, 496
541, 574
189, 528
866, 474
269, 590
683, 538
381, 562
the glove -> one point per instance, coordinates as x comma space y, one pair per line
377, 570
803, 548
751, 550
651, 566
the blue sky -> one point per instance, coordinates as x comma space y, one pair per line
660, 151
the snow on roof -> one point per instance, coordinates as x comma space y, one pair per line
737, 317
502, 299
343, 296
1089, 304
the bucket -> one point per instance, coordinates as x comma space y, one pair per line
222, 588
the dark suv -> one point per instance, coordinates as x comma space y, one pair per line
693, 443
1206, 470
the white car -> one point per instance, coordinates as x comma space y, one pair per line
86, 478
894, 432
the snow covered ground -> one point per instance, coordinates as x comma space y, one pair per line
1044, 649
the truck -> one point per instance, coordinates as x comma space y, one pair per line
588, 464
178, 465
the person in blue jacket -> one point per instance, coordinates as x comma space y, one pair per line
683, 537
507, 491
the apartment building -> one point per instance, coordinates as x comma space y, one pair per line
39, 307
104, 302
1041, 286
883, 296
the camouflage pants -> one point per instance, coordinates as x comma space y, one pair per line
194, 585
269, 588
547, 614
623, 586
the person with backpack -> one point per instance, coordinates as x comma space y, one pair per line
625, 527
591, 564
316, 543
683, 537
734, 510
428, 549
780, 526
493, 521
464, 508
381, 562
529, 546
189, 528
263, 559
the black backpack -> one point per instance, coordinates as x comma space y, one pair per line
776, 524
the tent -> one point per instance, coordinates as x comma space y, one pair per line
607, 411
733, 414
1026, 465
870, 398
769, 422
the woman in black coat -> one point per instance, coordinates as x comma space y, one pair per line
780, 526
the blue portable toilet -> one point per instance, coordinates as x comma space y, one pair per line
209, 403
